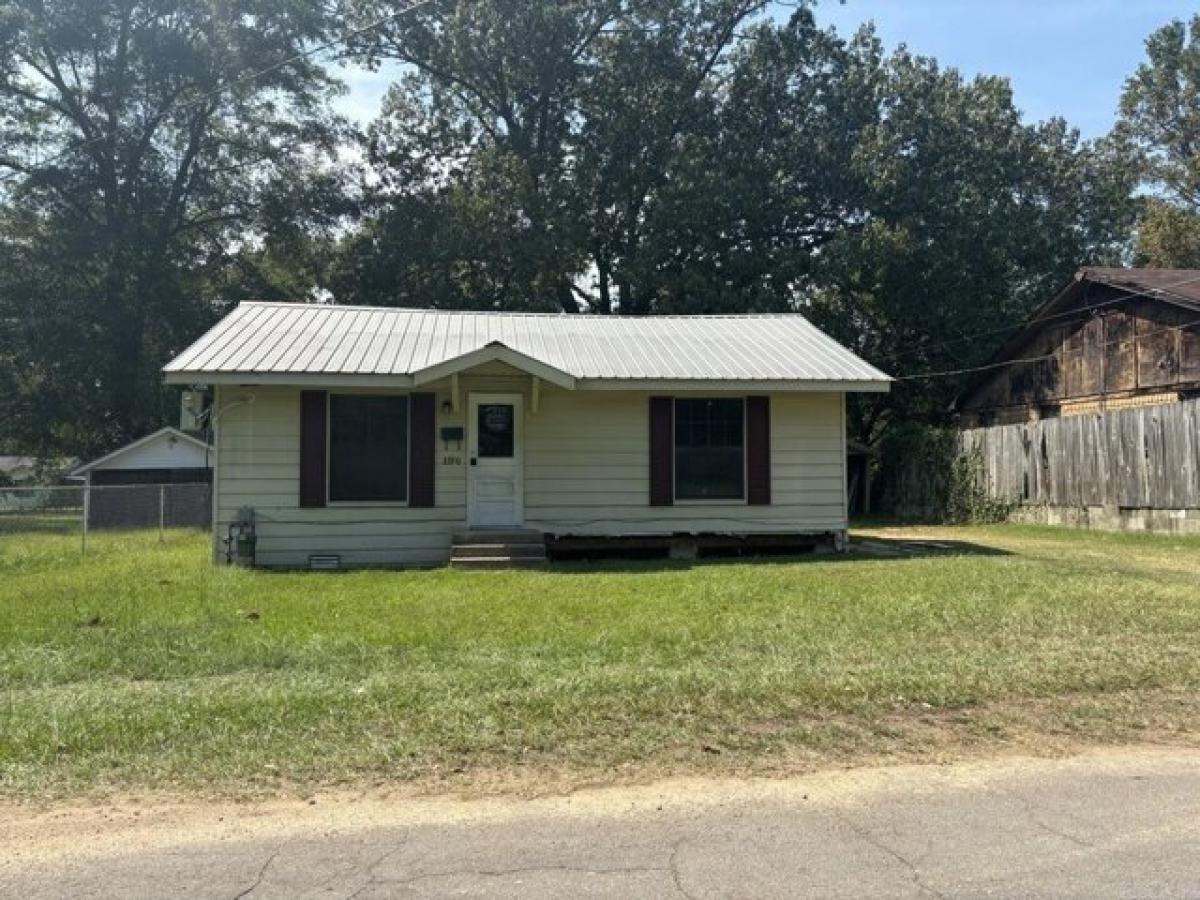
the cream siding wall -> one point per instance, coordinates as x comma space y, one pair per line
587, 469
586, 472
258, 465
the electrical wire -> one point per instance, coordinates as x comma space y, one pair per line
1152, 294
1034, 359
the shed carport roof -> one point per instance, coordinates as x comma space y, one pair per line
113, 460
292, 343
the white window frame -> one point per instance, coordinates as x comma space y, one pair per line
396, 504
711, 501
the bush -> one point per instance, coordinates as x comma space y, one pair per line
968, 501
927, 475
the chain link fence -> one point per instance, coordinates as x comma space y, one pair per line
80, 509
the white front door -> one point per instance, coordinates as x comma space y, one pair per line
495, 482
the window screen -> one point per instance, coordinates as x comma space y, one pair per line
709, 449
368, 448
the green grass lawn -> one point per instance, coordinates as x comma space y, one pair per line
142, 665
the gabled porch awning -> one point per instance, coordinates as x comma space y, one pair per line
496, 351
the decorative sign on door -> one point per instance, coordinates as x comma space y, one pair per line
496, 430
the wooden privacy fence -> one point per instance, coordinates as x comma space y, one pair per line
1142, 458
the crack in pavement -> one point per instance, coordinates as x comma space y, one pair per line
262, 872
1036, 820
372, 869
374, 880
1033, 817
676, 875
865, 834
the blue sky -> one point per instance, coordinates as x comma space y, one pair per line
1064, 57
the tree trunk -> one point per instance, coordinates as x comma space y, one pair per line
603, 276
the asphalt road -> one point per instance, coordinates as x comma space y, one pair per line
1115, 824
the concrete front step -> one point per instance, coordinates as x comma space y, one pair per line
498, 548
497, 562
515, 551
498, 536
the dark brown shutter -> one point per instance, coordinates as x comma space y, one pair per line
421, 449
758, 451
313, 423
662, 451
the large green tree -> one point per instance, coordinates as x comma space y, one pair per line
145, 147
162, 159
1160, 117
722, 204
529, 145
972, 218
697, 158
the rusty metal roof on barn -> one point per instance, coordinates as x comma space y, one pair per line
298, 343
1180, 287
1168, 284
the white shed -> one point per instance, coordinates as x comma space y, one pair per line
163, 479
168, 456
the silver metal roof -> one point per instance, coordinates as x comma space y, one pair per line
261, 343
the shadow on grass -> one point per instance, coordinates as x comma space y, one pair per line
860, 550
907, 548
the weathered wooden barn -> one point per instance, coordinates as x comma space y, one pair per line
1112, 339
1090, 414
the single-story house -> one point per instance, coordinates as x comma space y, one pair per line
162, 478
18, 469
30, 471
352, 436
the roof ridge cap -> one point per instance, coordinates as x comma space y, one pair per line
603, 317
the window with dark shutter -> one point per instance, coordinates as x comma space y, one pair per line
368, 448
758, 451
422, 450
312, 448
661, 443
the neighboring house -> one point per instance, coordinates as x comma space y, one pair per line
361, 436
168, 457
30, 470
18, 469
1089, 415
1112, 339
